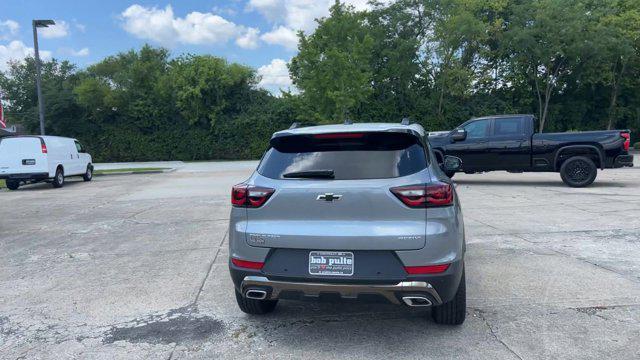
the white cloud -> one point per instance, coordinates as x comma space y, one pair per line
17, 51
82, 52
299, 14
81, 27
205, 28
60, 29
249, 40
161, 26
275, 76
282, 36
71, 52
8, 29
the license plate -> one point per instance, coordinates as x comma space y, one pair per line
28, 162
336, 263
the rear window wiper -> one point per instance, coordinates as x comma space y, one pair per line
320, 174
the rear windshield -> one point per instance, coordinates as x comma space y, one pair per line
359, 156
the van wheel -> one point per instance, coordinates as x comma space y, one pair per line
13, 184
454, 311
253, 306
88, 175
58, 179
578, 171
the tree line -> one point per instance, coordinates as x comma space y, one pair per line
575, 64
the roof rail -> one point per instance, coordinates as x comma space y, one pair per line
405, 121
294, 125
348, 122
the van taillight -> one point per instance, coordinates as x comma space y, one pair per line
425, 195
43, 146
243, 195
627, 140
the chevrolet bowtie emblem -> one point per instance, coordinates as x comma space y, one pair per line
329, 197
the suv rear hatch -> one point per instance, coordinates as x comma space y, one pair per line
332, 192
22, 155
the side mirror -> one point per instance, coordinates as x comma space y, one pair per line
459, 135
452, 163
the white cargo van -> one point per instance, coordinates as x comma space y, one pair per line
29, 159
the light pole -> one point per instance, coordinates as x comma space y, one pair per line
36, 24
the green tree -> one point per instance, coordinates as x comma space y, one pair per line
58, 80
617, 35
546, 39
333, 66
207, 87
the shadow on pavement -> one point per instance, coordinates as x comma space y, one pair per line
47, 186
554, 184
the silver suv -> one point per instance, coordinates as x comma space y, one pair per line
354, 211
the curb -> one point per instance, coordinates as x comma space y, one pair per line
135, 172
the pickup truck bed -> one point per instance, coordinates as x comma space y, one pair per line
508, 142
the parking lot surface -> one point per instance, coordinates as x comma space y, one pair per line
135, 266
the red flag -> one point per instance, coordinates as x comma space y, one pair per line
3, 122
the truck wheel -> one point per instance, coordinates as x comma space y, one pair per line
255, 307
88, 175
450, 173
58, 179
578, 171
13, 184
454, 311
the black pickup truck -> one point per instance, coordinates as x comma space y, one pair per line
509, 142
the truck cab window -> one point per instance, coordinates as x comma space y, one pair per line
508, 127
477, 129
79, 147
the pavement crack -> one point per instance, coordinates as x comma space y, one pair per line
206, 277
519, 236
479, 313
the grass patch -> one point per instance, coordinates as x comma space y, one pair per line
132, 170
2, 184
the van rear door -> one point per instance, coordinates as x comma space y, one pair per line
22, 155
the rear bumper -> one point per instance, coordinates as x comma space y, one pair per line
25, 176
393, 292
623, 161
438, 288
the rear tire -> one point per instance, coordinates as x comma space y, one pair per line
578, 171
12, 184
88, 175
450, 173
58, 179
255, 307
454, 311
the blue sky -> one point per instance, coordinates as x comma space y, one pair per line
258, 33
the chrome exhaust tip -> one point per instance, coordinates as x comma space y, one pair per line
416, 301
255, 294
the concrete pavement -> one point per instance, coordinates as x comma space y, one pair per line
135, 267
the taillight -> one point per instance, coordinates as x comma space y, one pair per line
43, 146
627, 140
250, 196
255, 265
421, 196
429, 269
